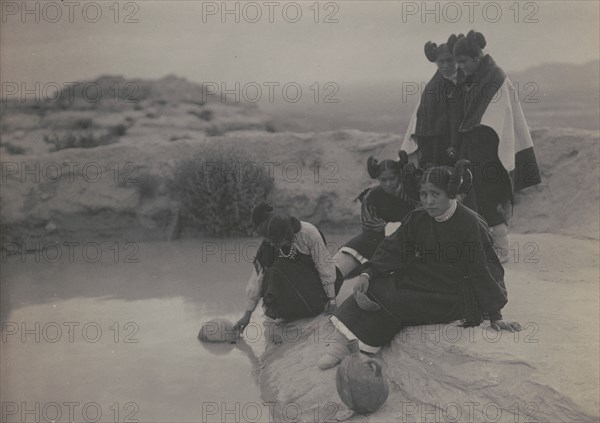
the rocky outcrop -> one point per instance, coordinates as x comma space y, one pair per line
443, 373
118, 190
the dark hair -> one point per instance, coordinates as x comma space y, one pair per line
260, 213
375, 168
472, 45
281, 227
453, 180
433, 51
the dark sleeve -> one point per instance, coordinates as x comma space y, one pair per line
362, 195
485, 271
368, 210
455, 113
393, 252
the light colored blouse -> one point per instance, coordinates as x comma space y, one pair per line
307, 241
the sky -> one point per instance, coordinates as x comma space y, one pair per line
352, 41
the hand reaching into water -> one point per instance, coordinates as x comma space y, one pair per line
243, 322
509, 326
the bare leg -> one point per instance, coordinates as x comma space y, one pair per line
345, 262
337, 349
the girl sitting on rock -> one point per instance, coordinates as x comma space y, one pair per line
293, 271
439, 266
389, 201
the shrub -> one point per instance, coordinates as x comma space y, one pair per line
13, 149
83, 123
147, 185
214, 131
206, 115
217, 190
117, 130
180, 137
78, 140
196, 102
85, 139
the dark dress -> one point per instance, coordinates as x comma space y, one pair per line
389, 207
493, 190
438, 120
429, 272
291, 287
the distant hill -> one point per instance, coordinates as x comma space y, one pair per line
564, 81
112, 92
553, 95
112, 109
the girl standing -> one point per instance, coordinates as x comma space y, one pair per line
433, 129
494, 138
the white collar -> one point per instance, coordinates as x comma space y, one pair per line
448, 213
453, 78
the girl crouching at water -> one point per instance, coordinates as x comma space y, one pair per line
439, 266
390, 201
293, 271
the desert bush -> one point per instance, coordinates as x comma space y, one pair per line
180, 137
83, 123
206, 115
13, 149
147, 185
196, 102
87, 139
78, 140
217, 190
117, 130
214, 131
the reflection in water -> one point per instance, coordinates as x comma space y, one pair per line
159, 303
149, 314
220, 349
254, 360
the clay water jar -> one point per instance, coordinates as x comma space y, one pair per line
219, 330
360, 382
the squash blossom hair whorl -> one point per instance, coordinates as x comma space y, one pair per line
433, 51
260, 215
281, 227
453, 180
375, 168
472, 45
